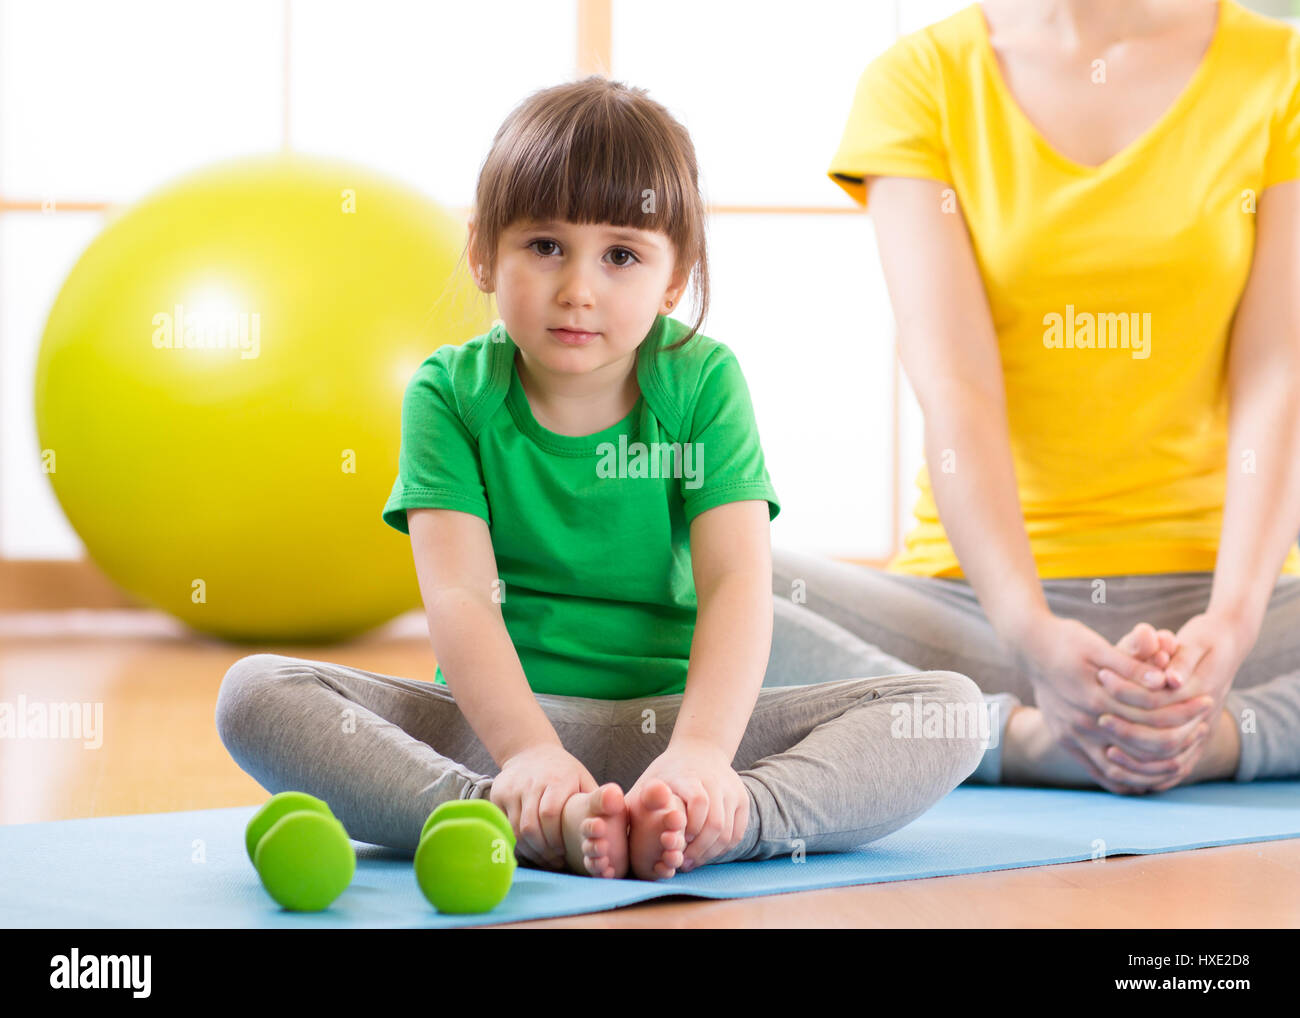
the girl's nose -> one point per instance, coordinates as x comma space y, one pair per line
575, 289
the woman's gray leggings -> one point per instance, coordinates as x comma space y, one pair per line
938, 623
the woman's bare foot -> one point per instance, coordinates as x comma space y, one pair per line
658, 838
1031, 754
595, 832
1223, 753
1222, 756
1146, 643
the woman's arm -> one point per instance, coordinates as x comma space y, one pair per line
1261, 515
731, 558
456, 568
950, 353
949, 349
1262, 507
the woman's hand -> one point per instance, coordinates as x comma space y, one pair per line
1210, 649
717, 804
1066, 657
532, 788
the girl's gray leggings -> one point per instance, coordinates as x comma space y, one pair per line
849, 740
828, 765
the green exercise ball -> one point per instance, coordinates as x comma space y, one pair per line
219, 392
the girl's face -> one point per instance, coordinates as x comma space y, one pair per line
579, 297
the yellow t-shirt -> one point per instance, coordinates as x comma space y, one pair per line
1119, 438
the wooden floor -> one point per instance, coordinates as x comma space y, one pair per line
161, 752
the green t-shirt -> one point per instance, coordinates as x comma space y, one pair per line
591, 534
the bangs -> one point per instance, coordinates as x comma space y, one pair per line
594, 168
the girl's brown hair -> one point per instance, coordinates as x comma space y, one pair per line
594, 151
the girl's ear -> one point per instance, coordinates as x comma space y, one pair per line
472, 253
673, 295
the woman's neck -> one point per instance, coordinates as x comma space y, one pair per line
1089, 24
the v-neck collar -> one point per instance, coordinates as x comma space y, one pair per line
1183, 100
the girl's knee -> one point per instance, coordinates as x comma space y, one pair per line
936, 686
965, 721
240, 688
956, 687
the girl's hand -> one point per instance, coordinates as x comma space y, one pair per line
1066, 657
532, 788
717, 803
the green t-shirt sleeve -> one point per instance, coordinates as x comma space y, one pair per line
723, 435
438, 463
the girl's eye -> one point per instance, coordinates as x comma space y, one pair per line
621, 255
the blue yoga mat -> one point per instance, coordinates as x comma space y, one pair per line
191, 869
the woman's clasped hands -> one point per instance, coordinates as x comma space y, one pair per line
1138, 715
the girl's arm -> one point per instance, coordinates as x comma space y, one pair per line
731, 559
456, 567
1261, 515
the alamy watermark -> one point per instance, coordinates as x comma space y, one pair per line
1102, 331
658, 459
55, 720
976, 719
208, 330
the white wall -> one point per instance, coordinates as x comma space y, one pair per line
106, 101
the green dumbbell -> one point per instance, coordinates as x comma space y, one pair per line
466, 858
300, 851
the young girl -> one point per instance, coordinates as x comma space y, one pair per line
588, 508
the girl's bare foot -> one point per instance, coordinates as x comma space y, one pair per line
658, 838
595, 832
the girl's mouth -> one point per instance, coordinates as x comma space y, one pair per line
572, 338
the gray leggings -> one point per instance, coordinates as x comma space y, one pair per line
938, 623
831, 759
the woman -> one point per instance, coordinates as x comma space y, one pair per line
1087, 214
